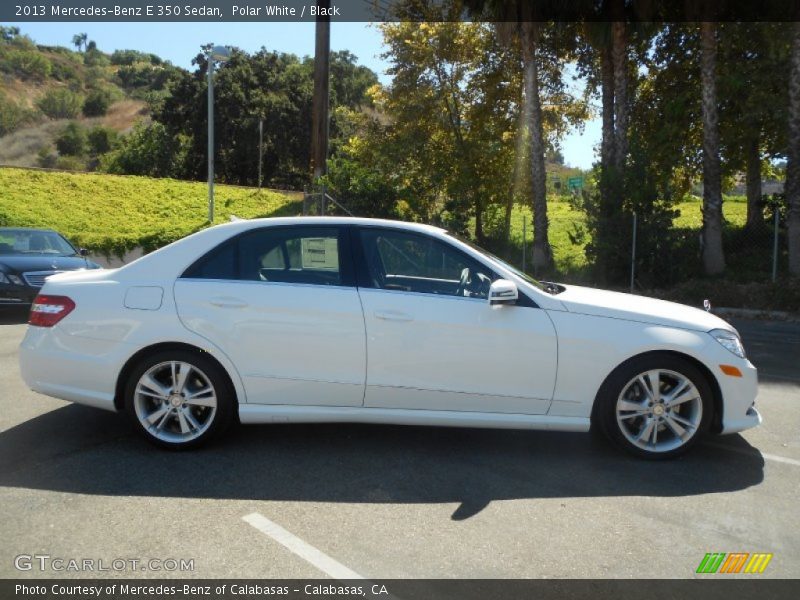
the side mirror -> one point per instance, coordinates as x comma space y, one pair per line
83, 252
503, 291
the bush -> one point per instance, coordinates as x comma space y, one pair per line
101, 140
25, 64
147, 150
94, 58
60, 103
12, 115
70, 163
128, 57
46, 158
73, 141
97, 103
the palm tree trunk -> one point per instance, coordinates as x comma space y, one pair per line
793, 163
619, 55
713, 256
542, 253
755, 214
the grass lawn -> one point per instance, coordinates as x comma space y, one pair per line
111, 213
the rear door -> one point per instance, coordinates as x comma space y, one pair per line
281, 302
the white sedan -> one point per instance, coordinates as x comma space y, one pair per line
358, 320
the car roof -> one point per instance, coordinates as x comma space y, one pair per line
333, 221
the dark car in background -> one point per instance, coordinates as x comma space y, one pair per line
28, 257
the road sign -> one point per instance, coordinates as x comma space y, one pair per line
575, 183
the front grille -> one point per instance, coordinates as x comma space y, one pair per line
36, 278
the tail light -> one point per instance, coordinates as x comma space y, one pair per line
46, 311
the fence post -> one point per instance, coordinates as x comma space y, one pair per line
633, 253
524, 241
775, 245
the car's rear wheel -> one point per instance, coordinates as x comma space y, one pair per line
179, 399
655, 406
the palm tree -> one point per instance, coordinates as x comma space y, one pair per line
516, 22
79, 40
713, 256
793, 163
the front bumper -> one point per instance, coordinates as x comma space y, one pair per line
739, 397
17, 295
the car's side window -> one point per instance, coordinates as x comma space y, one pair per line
306, 255
411, 262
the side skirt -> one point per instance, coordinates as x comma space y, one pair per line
277, 413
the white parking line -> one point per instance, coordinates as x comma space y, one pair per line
772, 457
304, 550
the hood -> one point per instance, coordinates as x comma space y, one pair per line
42, 262
616, 305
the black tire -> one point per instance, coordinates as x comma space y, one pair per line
604, 414
205, 370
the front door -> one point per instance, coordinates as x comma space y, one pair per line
433, 340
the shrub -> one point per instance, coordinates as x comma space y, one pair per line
12, 115
70, 163
60, 103
97, 103
128, 57
147, 150
101, 140
73, 141
26, 64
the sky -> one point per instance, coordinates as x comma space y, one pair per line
180, 42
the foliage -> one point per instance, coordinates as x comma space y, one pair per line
111, 214
97, 103
60, 103
274, 86
101, 139
147, 150
128, 57
72, 141
13, 115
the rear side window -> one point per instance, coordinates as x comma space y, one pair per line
303, 255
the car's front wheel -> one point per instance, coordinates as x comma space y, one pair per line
655, 406
179, 399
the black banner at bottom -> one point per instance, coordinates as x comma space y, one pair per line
399, 589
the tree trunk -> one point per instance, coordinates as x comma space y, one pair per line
607, 144
713, 256
793, 163
479, 236
619, 55
755, 212
542, 253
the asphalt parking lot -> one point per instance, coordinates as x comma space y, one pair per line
396, 502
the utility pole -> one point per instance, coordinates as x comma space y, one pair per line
220, 54
260, 148
319, 121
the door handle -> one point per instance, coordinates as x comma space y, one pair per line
224, 302
393, 315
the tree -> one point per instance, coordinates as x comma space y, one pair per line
97, 103
79, 40
793, 164
72, 141
713, 255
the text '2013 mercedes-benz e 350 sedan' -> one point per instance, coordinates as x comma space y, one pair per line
360, 320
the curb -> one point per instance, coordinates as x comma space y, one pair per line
749, 313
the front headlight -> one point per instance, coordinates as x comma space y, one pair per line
8, 278
730, 340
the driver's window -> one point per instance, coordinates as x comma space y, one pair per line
411, 262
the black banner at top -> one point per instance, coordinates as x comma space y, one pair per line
397, 10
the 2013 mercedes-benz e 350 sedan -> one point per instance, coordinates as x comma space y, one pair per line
360, 320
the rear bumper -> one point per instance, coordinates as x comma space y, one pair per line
71, 368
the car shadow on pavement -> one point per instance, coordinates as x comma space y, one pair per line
82, 450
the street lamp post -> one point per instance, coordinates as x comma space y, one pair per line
219, 54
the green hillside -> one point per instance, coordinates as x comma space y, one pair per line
111, 214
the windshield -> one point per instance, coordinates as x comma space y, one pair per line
503, 263
27, 241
